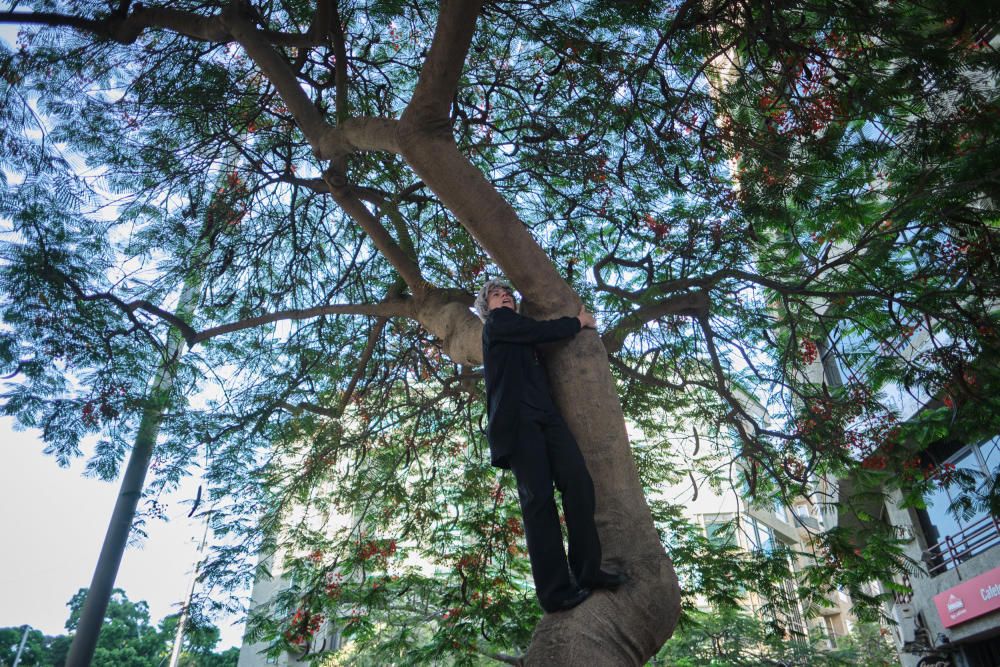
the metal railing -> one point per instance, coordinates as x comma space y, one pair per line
963, 545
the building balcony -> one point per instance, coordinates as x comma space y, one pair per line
954, 549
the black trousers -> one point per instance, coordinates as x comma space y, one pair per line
547, 454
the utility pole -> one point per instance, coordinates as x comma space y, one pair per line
20, 649
101, 586
175, 653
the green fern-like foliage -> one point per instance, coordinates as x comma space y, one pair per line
822, 174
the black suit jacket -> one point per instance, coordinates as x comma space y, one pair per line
509, 343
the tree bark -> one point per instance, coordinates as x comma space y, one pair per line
628, 626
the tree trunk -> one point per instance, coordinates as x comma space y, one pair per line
631, 624
102, 584
620, 628
628, 626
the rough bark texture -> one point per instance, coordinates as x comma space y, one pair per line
628, 626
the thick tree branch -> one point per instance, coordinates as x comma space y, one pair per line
446, 314
322, 23
387, 246
126, 29
328, 141
281, 75
443, 66
362, 133
693, 304
443, 312
52, 19
645, 263
393, 308
340, 64
298, 408
426, 142
506, 658
799, 289
368, 194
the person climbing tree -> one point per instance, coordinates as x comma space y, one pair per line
528, 435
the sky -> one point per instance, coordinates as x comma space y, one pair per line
52, 523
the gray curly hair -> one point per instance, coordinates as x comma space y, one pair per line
482, 309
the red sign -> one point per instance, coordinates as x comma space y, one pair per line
970, 599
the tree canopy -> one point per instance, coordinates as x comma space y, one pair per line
735, 639
129, 639
745, 193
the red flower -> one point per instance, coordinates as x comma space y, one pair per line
808, 350
660, 229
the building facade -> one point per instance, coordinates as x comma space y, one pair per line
728, 515
952, 616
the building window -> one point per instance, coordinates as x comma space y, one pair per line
760, 536
831, 632
790, 615
720, 532
953, 537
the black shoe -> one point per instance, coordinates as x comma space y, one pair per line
573, 600
607, 580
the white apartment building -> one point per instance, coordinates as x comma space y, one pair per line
764, 529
